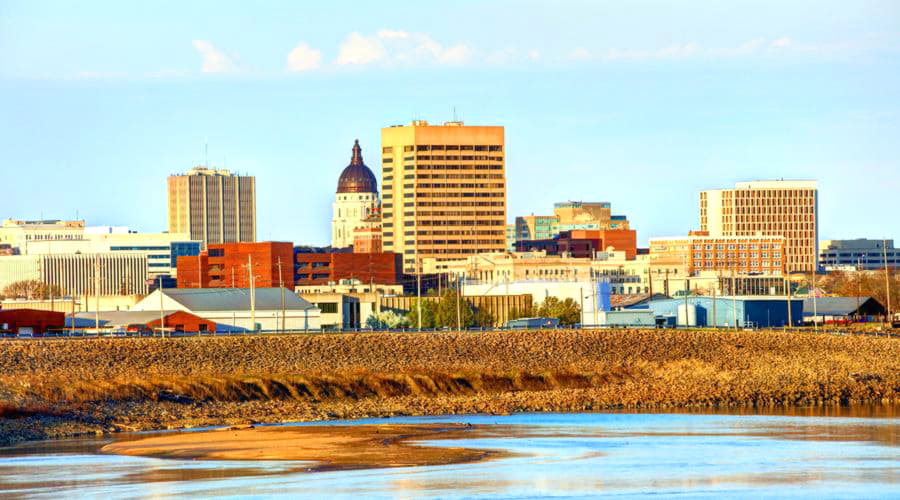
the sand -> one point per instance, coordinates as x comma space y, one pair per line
324, 447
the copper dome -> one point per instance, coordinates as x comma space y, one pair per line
357, 178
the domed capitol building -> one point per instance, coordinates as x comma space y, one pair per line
356, 204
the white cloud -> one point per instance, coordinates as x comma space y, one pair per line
214, 60
397, 47
781, 43
303, 58
534, 54
358, 49
580, 54
384, 34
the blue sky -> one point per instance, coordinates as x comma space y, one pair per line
637, 103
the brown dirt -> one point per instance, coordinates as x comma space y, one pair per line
135, 384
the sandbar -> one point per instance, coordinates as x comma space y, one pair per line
325, 447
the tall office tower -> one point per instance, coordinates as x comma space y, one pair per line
767, 208
443, 191
213, 206
356, 202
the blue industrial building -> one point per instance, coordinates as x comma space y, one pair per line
751, 312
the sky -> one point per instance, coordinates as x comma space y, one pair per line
638, 103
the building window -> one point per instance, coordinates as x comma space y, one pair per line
327, 307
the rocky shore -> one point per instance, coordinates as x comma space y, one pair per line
56, 388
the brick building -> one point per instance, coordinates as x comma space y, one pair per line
699, 251
317, 267
226, 266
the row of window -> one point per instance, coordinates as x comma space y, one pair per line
731, 246
386, 170
446, 147
742, 255
753, 263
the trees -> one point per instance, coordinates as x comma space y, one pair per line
386, 320
441, 312
31, 290
567, 311
863, 283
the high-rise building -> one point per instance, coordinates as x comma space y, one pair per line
767, 208
213, 206
443, 191
356, 203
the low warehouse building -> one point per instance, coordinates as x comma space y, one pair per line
750, 311
142, 321
840, 310
30, 321
230, 309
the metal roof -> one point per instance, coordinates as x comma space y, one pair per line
116, 318
235, 299
834, 306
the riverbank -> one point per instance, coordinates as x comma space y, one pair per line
54, 388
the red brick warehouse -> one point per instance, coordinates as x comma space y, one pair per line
227, 266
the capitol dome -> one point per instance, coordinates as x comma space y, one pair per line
357, 178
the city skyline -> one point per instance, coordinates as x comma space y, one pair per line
643, 123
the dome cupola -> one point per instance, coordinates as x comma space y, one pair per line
357, 178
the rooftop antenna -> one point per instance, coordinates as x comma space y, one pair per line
206, 153
454, 114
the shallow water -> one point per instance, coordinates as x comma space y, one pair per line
571, 455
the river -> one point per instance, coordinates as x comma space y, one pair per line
850, 454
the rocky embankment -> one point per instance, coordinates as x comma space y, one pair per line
52, 388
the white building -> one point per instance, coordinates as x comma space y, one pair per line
21, 234
230, 308
356, 200
591, 296
78, 274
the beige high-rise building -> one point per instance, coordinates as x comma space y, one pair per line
443, 191
213, 206
767, 208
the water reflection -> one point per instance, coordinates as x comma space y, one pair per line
850, 453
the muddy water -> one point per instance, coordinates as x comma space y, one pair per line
840, 454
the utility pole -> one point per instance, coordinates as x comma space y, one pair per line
73, 315
458, 313
734, 298
418, 286
790, 319
858, 286
812, 290
714, 300
97, 292
252, 293
581, 294
199, 271
162, 317
887, 283
281, 284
